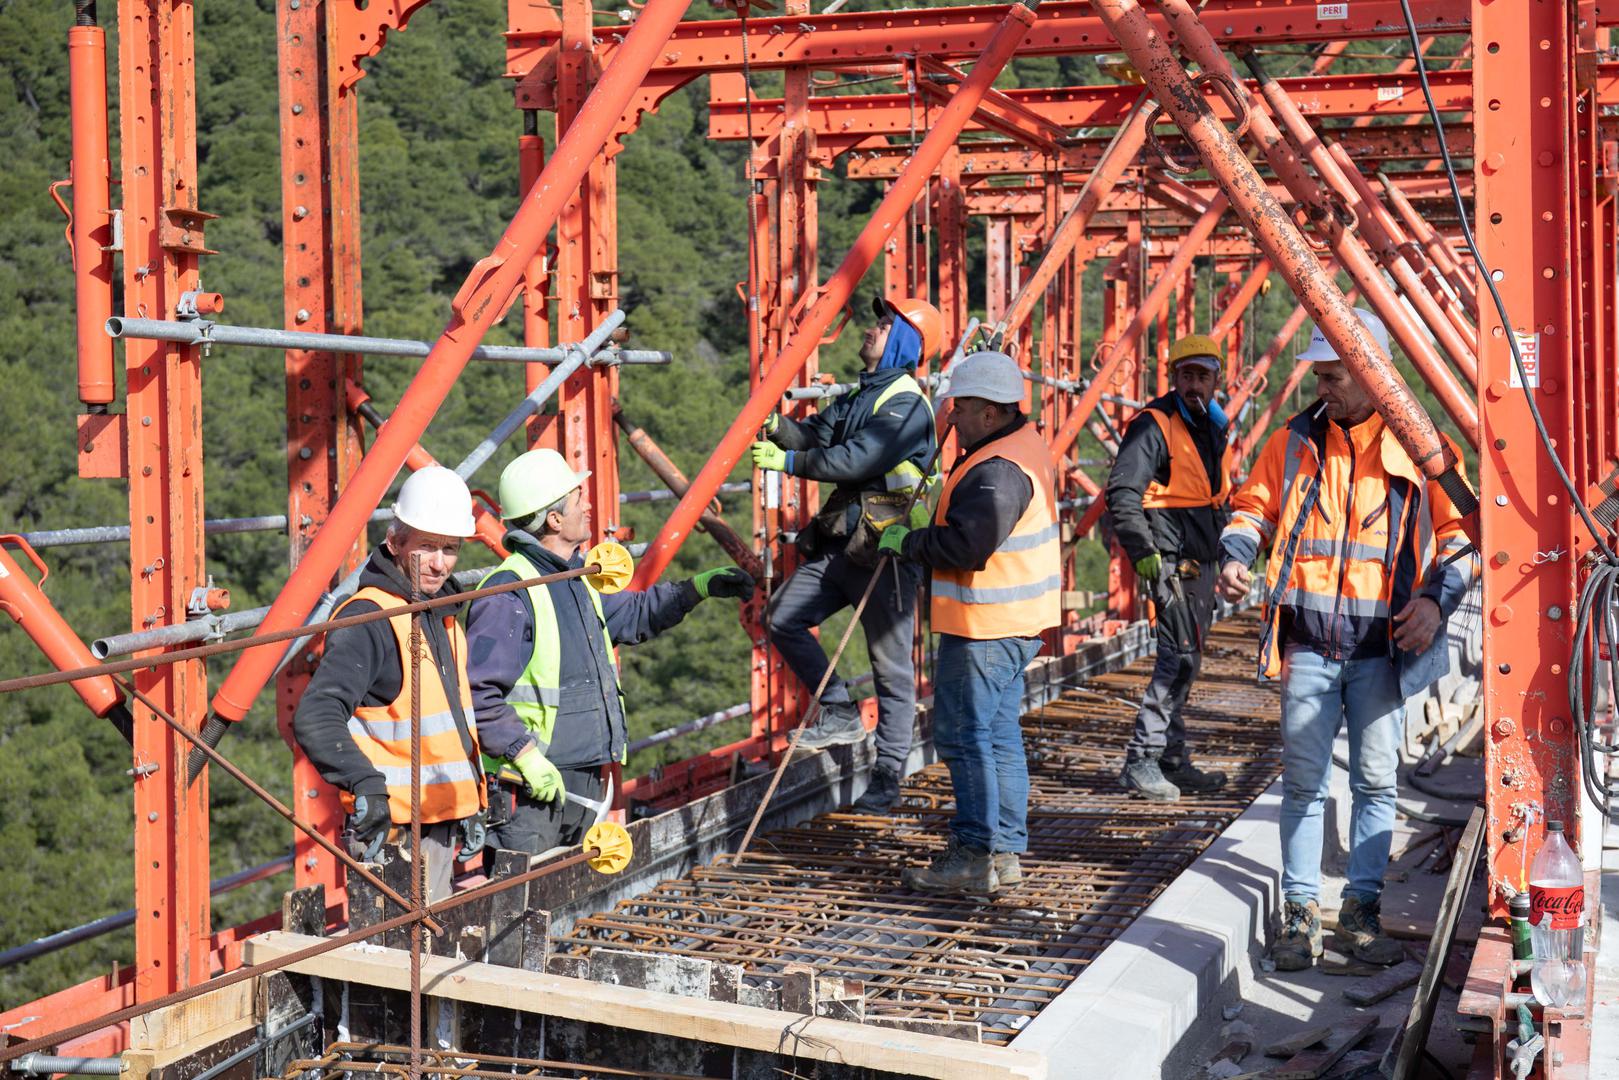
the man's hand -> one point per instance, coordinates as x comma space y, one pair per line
772, 422
543, 780
368, 825
892, 542
1151, 567
1417, 623
770, 457
1234, 582
727, 581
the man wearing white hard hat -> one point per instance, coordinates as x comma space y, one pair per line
997, 585
544, 680
1357, 591
354, 720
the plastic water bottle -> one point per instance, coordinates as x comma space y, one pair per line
1557, 922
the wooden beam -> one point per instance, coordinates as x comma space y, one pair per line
719, 1023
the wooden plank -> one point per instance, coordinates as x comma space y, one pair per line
721, 1023
968, 1030
1302, 1040
1389, 981
303, 911
220, 1012
1312, 1064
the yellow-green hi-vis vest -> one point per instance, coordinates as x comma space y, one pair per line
537, 693
905, 477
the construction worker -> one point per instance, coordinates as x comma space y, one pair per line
997, 585
544, 680
1166, 494
875, 446
354, 720
1357, 591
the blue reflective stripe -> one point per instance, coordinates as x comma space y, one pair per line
399, 730
949, 590
1029, 541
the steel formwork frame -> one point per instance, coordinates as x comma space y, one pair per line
1546, 231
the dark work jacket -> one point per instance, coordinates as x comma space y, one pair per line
361, 666
589, 730
1173, 532
850, 445
984, 508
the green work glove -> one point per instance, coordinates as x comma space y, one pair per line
727, 581
892, 541
772, 422
543, 780
770, 457
1150, 568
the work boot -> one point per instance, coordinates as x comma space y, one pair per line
967, 871
836, 724
1144, 778
1008, 871
1298, 943
1188, 777
1360, 932
882, 792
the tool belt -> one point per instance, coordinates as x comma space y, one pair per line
831, 530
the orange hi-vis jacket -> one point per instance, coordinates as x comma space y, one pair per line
1018, 593
1358, 534
1188, 480
452, 782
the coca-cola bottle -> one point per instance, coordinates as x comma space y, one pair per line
1557, 922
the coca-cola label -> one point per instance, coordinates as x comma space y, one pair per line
1565, 906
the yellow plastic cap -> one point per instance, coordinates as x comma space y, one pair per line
617, 567
613, 847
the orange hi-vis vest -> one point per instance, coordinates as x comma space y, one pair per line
1018, 593
452, 783
1188, 480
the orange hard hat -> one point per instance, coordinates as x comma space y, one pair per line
920, 314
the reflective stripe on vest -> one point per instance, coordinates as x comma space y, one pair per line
451, 786
1188, 479
537, 694
1018, 593
905, 476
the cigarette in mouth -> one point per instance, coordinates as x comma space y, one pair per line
1319, 410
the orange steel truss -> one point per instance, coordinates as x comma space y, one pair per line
1140, 195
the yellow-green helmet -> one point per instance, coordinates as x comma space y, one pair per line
534, 481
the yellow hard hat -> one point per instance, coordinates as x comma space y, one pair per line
1198, 347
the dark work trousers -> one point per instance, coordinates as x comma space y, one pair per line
1182, 629
821, 588
520, 823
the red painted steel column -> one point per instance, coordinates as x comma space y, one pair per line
1277, 235
998, 267
481, 299
92, 209
163, 240
536, 284
1532, 541
838, 289
320, 222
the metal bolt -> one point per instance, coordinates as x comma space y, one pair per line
1554, 613
297, 110
305, 454
309, 658
311, 794
146, 421
300, 212
152, 816
1500, 500
1504, 727
295, 4
311, 862
303, 315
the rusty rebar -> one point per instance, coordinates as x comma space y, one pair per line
417, 863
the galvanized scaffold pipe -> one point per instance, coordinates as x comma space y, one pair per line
834, 296
1276, 233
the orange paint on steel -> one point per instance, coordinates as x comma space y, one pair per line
1121, 347
480, 300
92, 212
835, 294
1439, 252
1237, 306
1275, 232
1118, 156
25, 601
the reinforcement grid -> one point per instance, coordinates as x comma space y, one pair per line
826, 893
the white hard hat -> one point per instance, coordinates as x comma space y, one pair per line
990, 375
435, 500
534, 481
1321, 350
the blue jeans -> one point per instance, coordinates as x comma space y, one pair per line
821, 588
1318, 695
977, 705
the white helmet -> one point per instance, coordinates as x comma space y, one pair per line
993, 376
1320, 350
435, 500
534, 481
